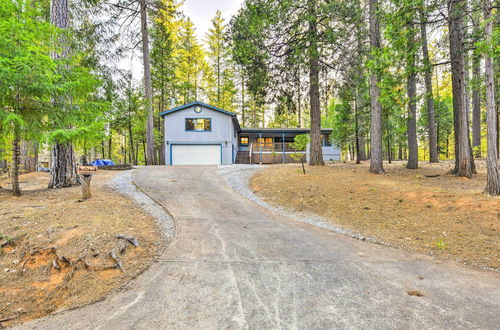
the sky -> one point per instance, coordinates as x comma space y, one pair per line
201, 12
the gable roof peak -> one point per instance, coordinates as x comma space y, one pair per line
188, 105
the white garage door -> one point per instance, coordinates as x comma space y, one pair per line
190, 154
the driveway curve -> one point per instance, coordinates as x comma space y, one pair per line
237, 265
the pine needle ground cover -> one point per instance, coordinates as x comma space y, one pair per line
426, 210
56, 250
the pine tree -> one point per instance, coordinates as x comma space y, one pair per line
148, 89
191, 64
315, 151
165, 42
220, 78
411, 88
493, 178
376, 159
429, 98
63, 163
463, 157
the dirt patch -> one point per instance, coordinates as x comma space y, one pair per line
415, 210
55, 250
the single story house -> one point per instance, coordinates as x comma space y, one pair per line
201, 134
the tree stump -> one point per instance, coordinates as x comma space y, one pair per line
85, 179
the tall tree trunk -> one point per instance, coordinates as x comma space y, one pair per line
362, 148
476, 105
462, 142
315, 151
412, 100
110, 147
242, 101
356, 127
429, 97
148, 91
16, 191
376, 159
299, 104
63, 163
161, 152
62, 154
218, 73
389, 153
3, 161
131, 138
29, 155
136, 160
493, 178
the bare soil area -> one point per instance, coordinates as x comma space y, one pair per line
56, 250
426, 210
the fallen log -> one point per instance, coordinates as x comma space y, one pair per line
131, 240
122, 247
119, 264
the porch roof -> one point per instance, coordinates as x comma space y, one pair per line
293, 130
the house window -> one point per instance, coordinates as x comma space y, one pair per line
244, 140
326, 138
265, 142
288, 139
198, 124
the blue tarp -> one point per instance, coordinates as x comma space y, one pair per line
102, 162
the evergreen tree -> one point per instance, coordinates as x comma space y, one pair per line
493, 178
220, 78
376, 159
165, 42
191, 65
463, 156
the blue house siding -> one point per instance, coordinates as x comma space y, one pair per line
223, 131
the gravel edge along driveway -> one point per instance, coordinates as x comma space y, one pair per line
238, 177
123, 183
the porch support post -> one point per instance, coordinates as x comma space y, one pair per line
283, 146
260, 148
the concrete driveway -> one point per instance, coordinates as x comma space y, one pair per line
236, 265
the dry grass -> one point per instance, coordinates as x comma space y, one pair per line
46, 225
445, 216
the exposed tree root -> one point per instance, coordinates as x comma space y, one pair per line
131, 240
119, 264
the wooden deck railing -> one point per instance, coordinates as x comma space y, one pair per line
272, 147
272, 153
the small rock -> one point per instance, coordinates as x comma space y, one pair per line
415, 293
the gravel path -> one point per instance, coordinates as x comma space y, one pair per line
238, 177
123, 184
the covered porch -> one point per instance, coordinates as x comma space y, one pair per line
272, 146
